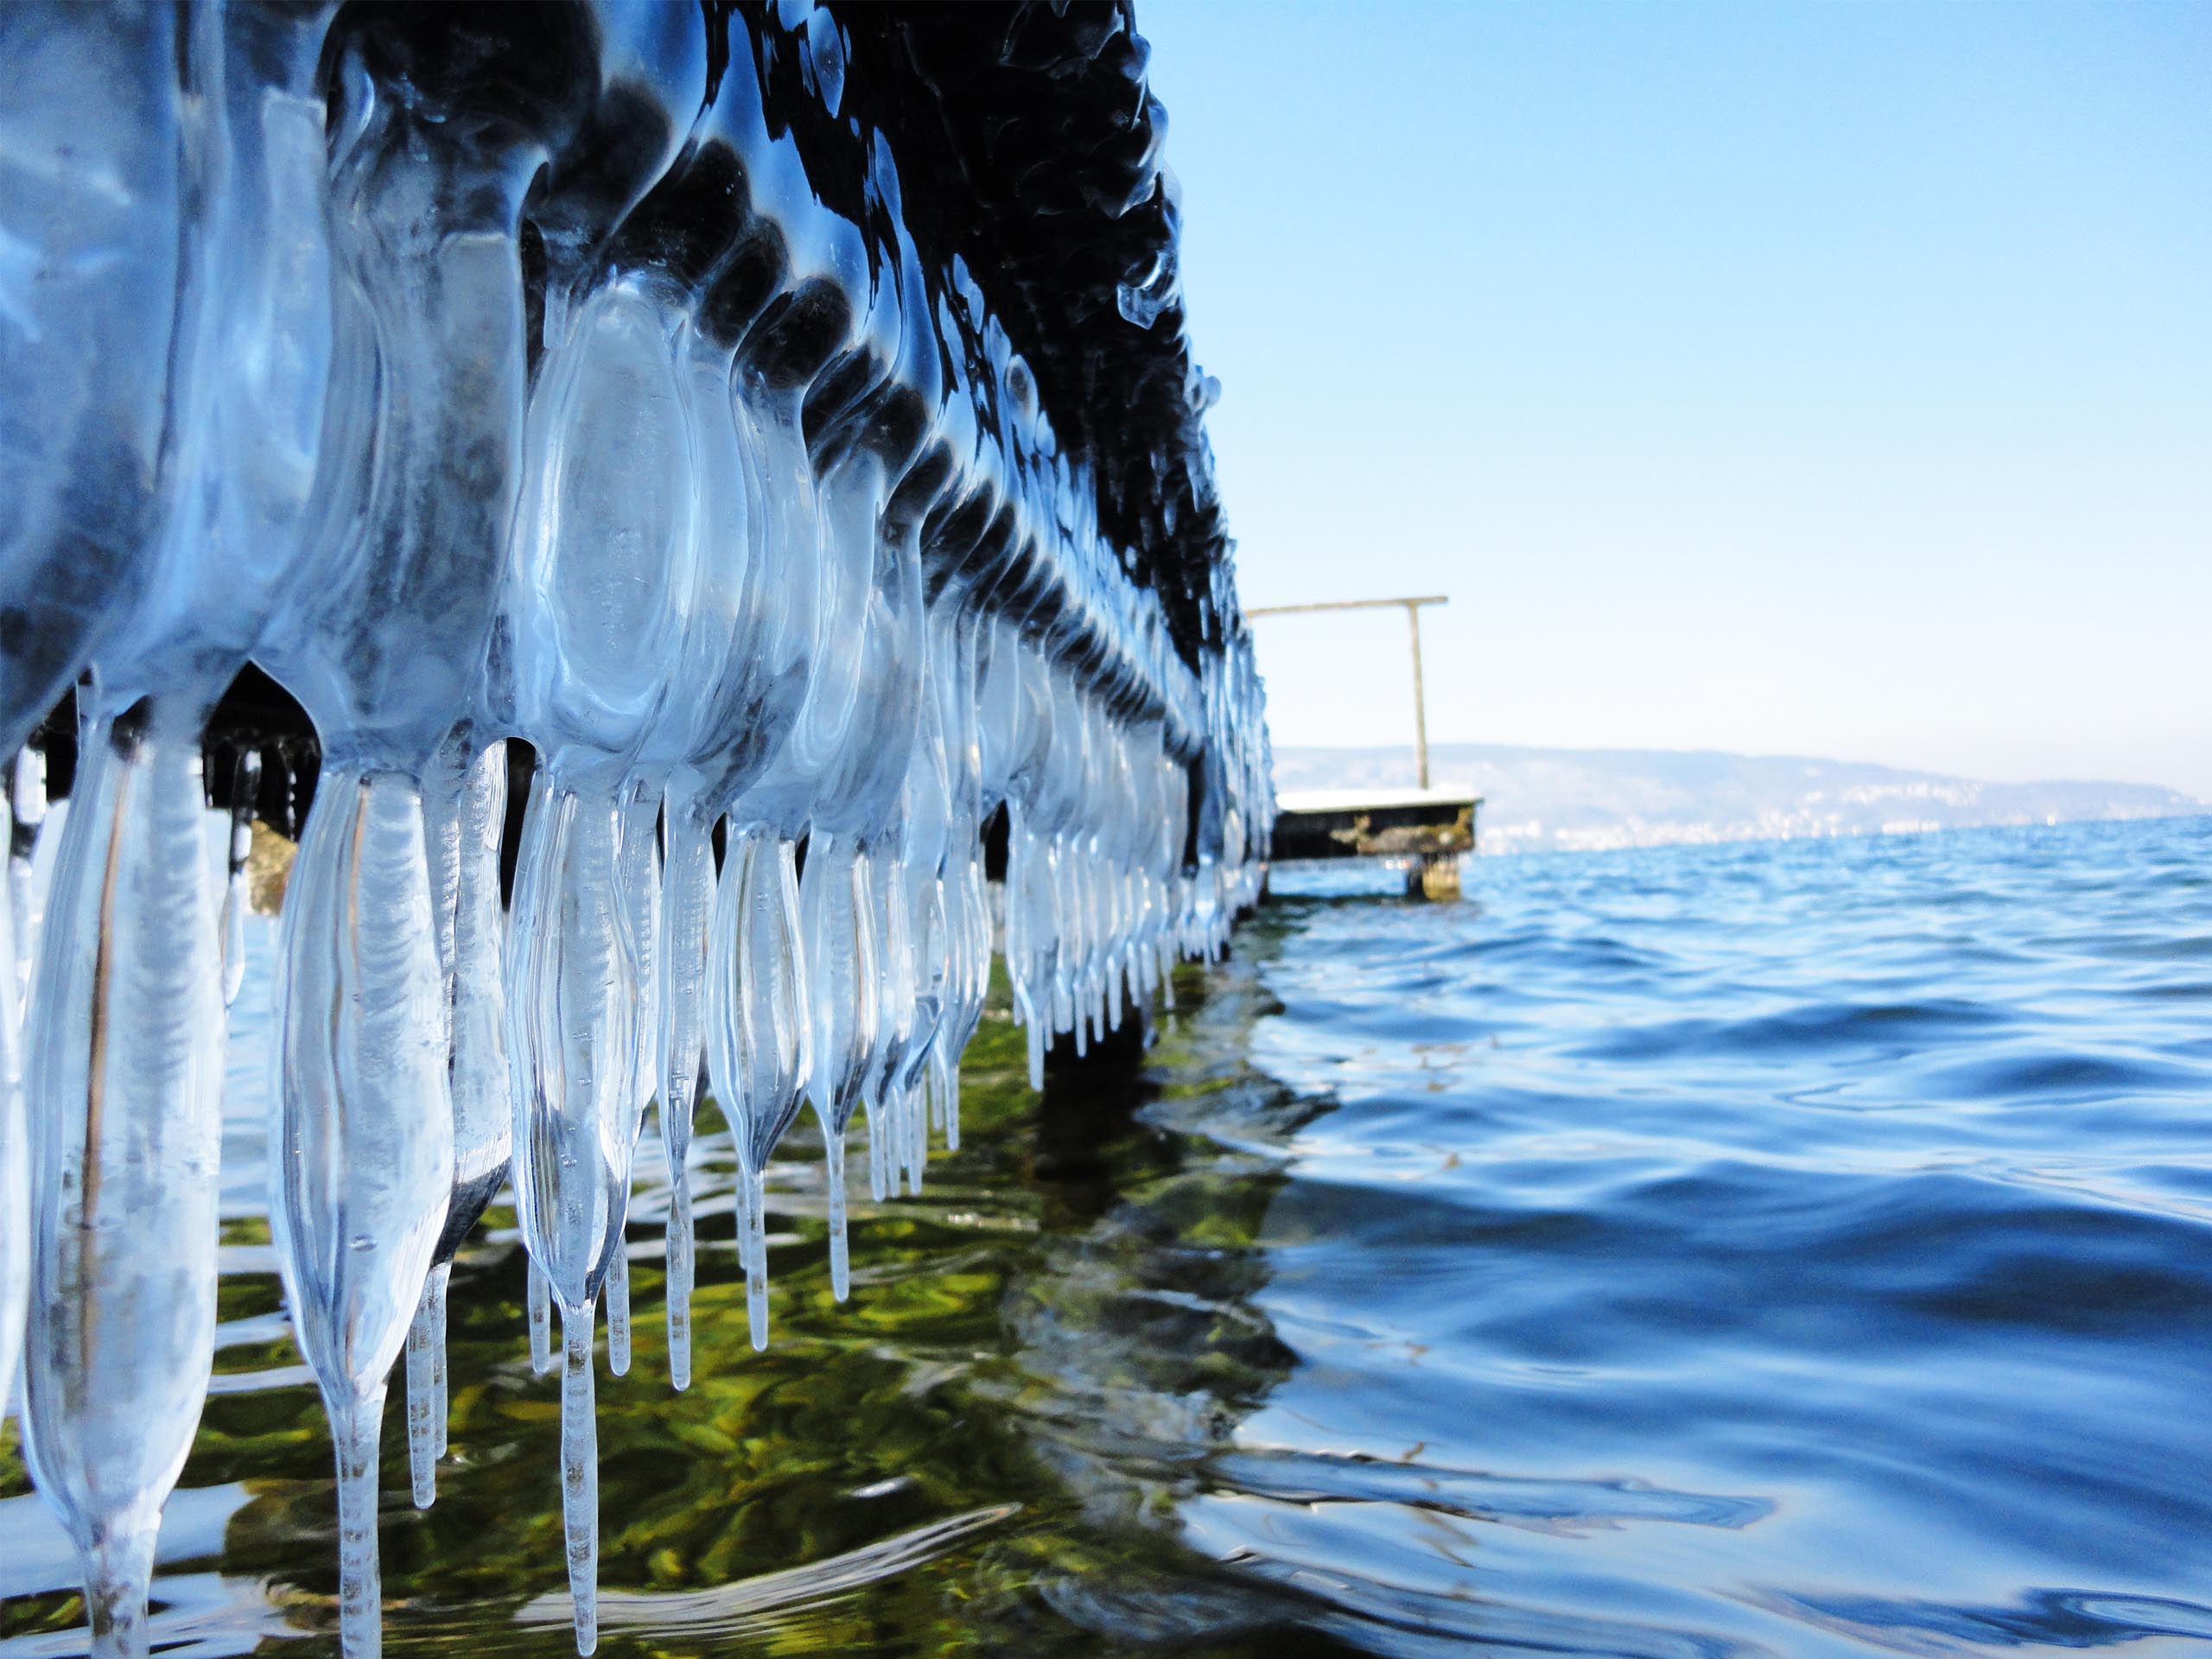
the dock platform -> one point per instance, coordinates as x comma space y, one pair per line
1428, 829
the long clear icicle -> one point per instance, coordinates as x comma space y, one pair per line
246, 790
126, 1047
361, 1152
572, 989
464, 811
27, 813
687, 921
836, 904
641, 895
758, 1029
14, 1168
426, 1364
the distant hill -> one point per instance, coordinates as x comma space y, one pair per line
1537, 800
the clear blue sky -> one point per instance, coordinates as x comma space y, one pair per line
1827, 379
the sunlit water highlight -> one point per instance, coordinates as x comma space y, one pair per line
1799, 1249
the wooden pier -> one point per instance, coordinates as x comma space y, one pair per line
1430, 829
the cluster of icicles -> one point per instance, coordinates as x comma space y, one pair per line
310, 357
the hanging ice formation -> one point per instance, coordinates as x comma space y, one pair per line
604, 396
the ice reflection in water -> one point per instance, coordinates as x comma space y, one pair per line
832, 1490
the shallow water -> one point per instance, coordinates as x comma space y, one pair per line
1801, 1248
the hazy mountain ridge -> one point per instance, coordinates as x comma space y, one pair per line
1545, 800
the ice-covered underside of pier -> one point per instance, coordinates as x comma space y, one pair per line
778, 420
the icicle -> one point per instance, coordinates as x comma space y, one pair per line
687, 920
435, 1295
540, 1321
464, 811
833, 1175
124, 1056
357, 1427
27, 804
245, 788
15, 1169
580, 1472
835, 906
618, 1309
913, 1117
949, 1085
1112, 990
422, 1397
879, 1152
641, 893
363, 1141
759, 1030
753, 1215
573, 1002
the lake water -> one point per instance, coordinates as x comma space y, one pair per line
1798, 1249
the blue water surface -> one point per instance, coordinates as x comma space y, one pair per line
1795, 1248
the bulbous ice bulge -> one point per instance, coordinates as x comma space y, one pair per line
416, 478
464, 811
601, 582
174, 328
94, 219
763, 680
361, 1152
244, 398
124, 1059
831, 760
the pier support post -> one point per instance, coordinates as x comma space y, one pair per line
1433, 875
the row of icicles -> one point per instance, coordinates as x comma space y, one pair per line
850, 979
278, 383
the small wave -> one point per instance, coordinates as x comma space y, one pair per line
2041, 1618
1811, 1028
2047, 1075
1566, 1507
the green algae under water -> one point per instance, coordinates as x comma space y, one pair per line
978, 1452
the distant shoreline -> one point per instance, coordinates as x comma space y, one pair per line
1606, 800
